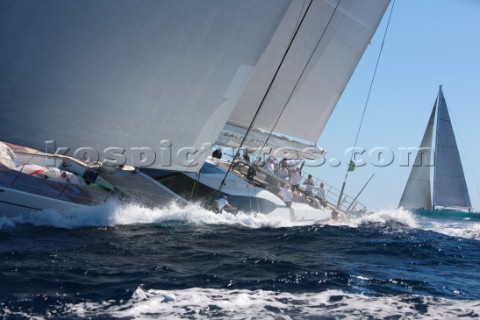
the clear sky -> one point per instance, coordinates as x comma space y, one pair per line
428, 43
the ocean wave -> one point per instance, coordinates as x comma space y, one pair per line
399, 217
114, 214
455, 228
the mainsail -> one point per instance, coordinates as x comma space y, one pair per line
148, 83
417, 191
449, 185
323, 55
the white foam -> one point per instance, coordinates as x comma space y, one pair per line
456, 228
114, 214
461, 229
383, 217
240, 304
5, 222
6, 313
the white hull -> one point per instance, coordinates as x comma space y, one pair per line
301, 212
14, 203
236, 187
32, 183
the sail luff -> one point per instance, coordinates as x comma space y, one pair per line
449, 185
417, 192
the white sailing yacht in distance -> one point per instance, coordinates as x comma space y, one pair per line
449, 190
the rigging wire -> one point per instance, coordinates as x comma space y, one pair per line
291, 93
266, 93
302, 73
367, 101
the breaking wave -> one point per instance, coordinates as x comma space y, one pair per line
114, 214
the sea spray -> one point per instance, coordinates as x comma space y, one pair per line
399, 216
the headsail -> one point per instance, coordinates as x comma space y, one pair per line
329, 43
449, 186
150, 83
259, 141
417, 192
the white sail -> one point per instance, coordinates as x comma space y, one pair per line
321, 60
259, 141
146, 83
449, 186
417, 192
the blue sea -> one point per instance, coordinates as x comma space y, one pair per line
129, 262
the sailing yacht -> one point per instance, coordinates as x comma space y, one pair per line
285, 117
288, 99
446, 193
104, 86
